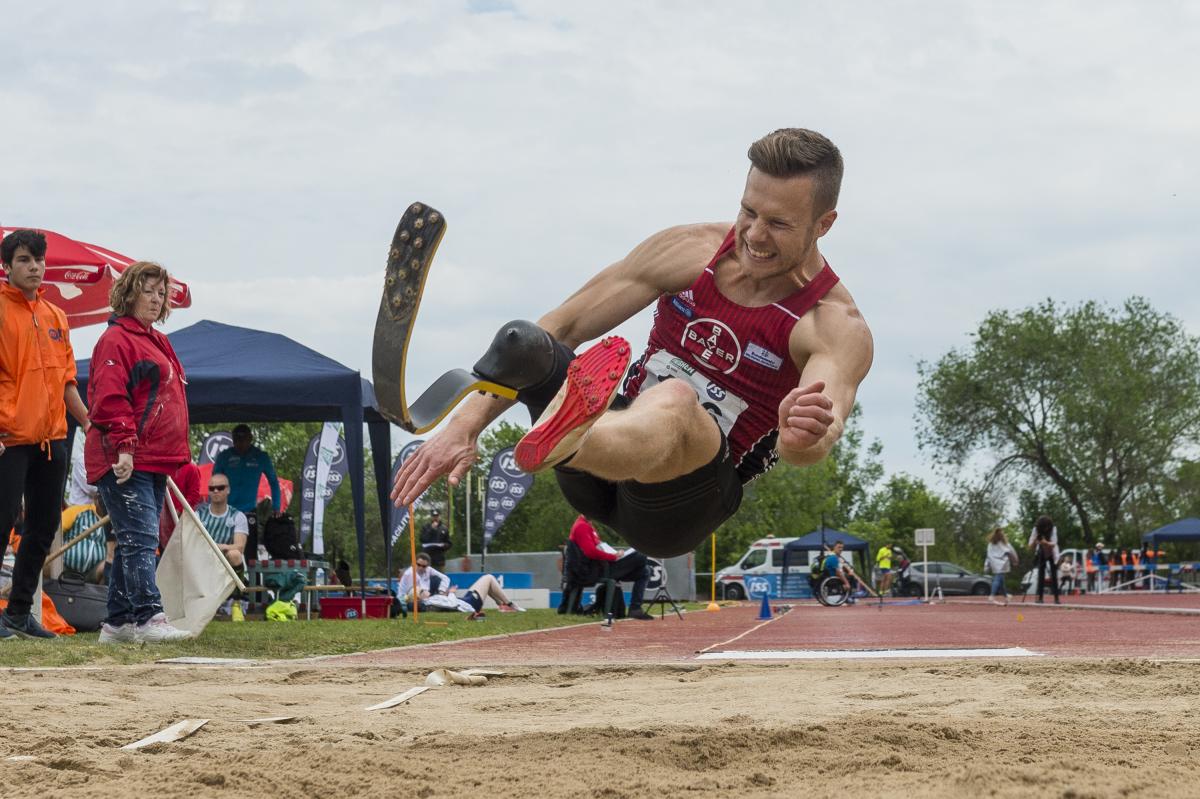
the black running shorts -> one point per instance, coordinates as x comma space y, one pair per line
660, 519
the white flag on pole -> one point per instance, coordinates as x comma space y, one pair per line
193, 575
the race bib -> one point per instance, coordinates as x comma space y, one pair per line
721, 404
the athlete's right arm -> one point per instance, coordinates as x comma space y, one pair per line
668, 261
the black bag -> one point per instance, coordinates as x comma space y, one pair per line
618, 602
281, 539
82, 604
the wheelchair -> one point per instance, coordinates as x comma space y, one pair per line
830, 591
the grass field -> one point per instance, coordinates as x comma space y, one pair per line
261, 640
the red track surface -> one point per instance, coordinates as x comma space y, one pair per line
966, 624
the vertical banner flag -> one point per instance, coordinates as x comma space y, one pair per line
339, 468
214, 445
399, 516
507, 485
327, 451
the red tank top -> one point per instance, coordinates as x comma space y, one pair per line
735, 357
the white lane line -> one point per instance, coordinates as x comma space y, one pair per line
865, 654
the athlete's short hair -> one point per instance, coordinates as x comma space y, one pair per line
32, 239
790, 152
131, 282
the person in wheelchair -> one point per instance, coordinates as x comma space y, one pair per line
833, 582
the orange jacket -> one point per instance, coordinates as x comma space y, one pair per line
36, 365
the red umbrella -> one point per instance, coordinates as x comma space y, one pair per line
79, 276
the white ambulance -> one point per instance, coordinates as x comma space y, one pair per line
758, 569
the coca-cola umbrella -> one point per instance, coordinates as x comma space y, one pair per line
79, 276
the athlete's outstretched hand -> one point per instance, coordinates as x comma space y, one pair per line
804, 416
449, 452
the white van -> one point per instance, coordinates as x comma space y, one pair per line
762, 564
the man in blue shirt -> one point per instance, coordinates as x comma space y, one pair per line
245, 464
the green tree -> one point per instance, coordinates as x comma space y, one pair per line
789, 501
1099, 404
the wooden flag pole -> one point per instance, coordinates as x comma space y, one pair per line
58, 553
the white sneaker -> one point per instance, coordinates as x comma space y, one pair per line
158, 630
122, 634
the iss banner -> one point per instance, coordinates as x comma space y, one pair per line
399, 516
214, 445
507, 485
338, 470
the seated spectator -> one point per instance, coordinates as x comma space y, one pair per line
625, 564
834, 565
435, 592
227, 525
88, 558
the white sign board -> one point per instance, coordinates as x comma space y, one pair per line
924, 536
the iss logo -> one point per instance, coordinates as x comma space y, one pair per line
498, 484
712, 344
658, 574
508, 503
715, 391
493, 503
214, 445
508, 464
757, 586
339, 451
517, 490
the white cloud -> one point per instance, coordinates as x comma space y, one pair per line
996, 154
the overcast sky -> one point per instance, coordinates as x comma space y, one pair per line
996, 154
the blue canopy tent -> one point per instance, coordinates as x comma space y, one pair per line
817, 540
1182, 530
235, 373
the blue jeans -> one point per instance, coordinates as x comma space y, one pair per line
998, 585
134, 507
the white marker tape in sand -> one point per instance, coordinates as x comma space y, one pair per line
446, 677
866, 654
176, 732
21, 758
269, 720
399, 699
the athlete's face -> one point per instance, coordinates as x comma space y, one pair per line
26, 272
776, 229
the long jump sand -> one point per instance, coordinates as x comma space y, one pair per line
1059, 725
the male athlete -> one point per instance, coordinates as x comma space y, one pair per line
755, 354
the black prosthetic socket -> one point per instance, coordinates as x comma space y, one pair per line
525, 357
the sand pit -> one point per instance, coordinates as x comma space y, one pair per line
1019, 728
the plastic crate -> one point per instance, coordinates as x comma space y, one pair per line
350, 607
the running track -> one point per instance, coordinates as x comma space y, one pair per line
1085, 627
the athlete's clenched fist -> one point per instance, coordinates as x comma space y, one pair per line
804, 416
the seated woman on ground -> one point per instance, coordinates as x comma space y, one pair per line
435, 592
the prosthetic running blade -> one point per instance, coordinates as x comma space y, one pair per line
413, 246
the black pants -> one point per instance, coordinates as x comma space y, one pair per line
1043, 562
37, 475
632, 567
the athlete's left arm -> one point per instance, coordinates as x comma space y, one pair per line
833, 351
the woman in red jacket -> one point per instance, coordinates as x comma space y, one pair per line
139, 436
